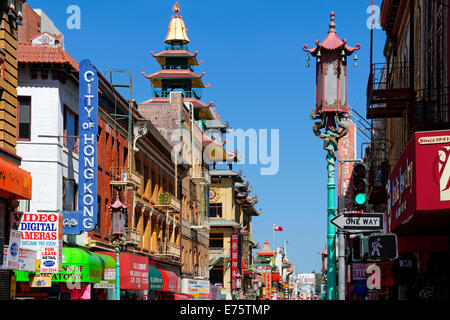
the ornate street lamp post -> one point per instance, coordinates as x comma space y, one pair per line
118, 215
332, 111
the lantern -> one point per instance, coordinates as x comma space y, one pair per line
238, 281
331, 72
118, 215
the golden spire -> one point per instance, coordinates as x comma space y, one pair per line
177, 29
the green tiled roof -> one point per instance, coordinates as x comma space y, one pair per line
223, 223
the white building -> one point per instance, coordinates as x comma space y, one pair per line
47, 113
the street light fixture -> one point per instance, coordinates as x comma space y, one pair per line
118, 214
332, 111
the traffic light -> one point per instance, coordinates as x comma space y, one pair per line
382, 246
360, 246
359, 185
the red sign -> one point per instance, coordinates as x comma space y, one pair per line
420, 182
133, 271
347, 150
234, 260
268, 276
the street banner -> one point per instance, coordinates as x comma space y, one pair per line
234, 260
347, 150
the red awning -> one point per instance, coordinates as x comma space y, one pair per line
170, 281
14, 182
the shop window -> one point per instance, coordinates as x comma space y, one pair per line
216, 240
69, 194
215, 210
70, 129
216, 276
24, 118
99, 214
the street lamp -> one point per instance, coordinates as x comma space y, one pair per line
238, 285
118, 214
332, 111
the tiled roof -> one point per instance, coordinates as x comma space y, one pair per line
29, 53
223, 223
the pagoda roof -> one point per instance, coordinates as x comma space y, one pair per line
177, 29
331, 42
226, 173
161, 57
266, 250
206, 141
222, 223
219, 154
156, 77
201, 109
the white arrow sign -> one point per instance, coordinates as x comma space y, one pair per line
359, 221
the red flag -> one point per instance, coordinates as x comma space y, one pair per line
277, 228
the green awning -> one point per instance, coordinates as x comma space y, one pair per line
155, 279
78, 265
109, 264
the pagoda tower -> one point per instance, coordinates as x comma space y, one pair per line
176, 73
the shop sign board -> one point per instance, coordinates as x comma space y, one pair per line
27, 260
40, 280
133, 271
199, 289
12, 261
41, 233
358, 271
85, 219
420, 181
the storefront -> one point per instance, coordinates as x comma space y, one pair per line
134, 276
15, 184
81, 270
418, 209
163, 285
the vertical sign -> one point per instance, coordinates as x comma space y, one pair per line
12, 261
268, 276
234, 260
87, 146
347, 150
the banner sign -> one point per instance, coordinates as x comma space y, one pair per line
347, 150
234, 260
86, 217
12, 261
27, 260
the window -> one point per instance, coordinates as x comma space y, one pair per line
24, 127
216, 240
70, 128
99, 214
69, 194
215, 210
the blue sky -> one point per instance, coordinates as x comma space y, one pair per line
252, 57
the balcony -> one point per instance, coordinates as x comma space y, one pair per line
194, 93
126, 178
202, 179
176, 47
168, 249
388, 90
431, 109
132, 237
168, 203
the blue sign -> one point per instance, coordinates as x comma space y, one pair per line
86, 217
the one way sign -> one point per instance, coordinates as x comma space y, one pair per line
359, 221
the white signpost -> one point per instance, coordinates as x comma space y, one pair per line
358, 222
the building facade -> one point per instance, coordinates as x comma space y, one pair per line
407, 102
16, 183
